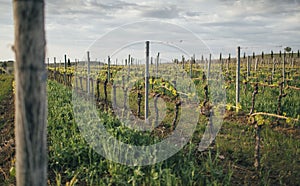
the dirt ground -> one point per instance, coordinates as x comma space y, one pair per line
7, 141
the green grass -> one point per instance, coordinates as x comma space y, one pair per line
6, 85
230, 161
70, 155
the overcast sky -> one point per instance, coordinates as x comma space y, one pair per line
72, 26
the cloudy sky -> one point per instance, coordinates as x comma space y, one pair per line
73, 26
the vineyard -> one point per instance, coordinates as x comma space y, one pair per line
268, 111
258, 142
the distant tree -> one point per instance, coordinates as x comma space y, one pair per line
288, 49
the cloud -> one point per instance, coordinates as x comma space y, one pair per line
170, 12
222, 23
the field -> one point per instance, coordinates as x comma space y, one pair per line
269, 109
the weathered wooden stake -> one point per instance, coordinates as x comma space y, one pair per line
54, 64
30, 97
156, 65
65, 70
147, 82
221, 61
256, 64
108, 69
182, 62
237, 88
273, 68
191, 67
128, 59
248, 67
208, 68
88, 72
283, 69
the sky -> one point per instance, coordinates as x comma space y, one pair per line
76, 26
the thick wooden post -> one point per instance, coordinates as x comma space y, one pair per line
147, 82
237, 87
30, 97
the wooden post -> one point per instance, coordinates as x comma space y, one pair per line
105, 92
221, 61
147, 82
280, 53
237, 88
202, 61
272, 54
156, 65
283, 69
256, 64
88, 73
65, 70
191, 67
248, 67
139, 100
30, 97
257, 148
98, 89
48, 61
208, 68
182, 62
228, 62
54, 64
108, 69
129, 58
